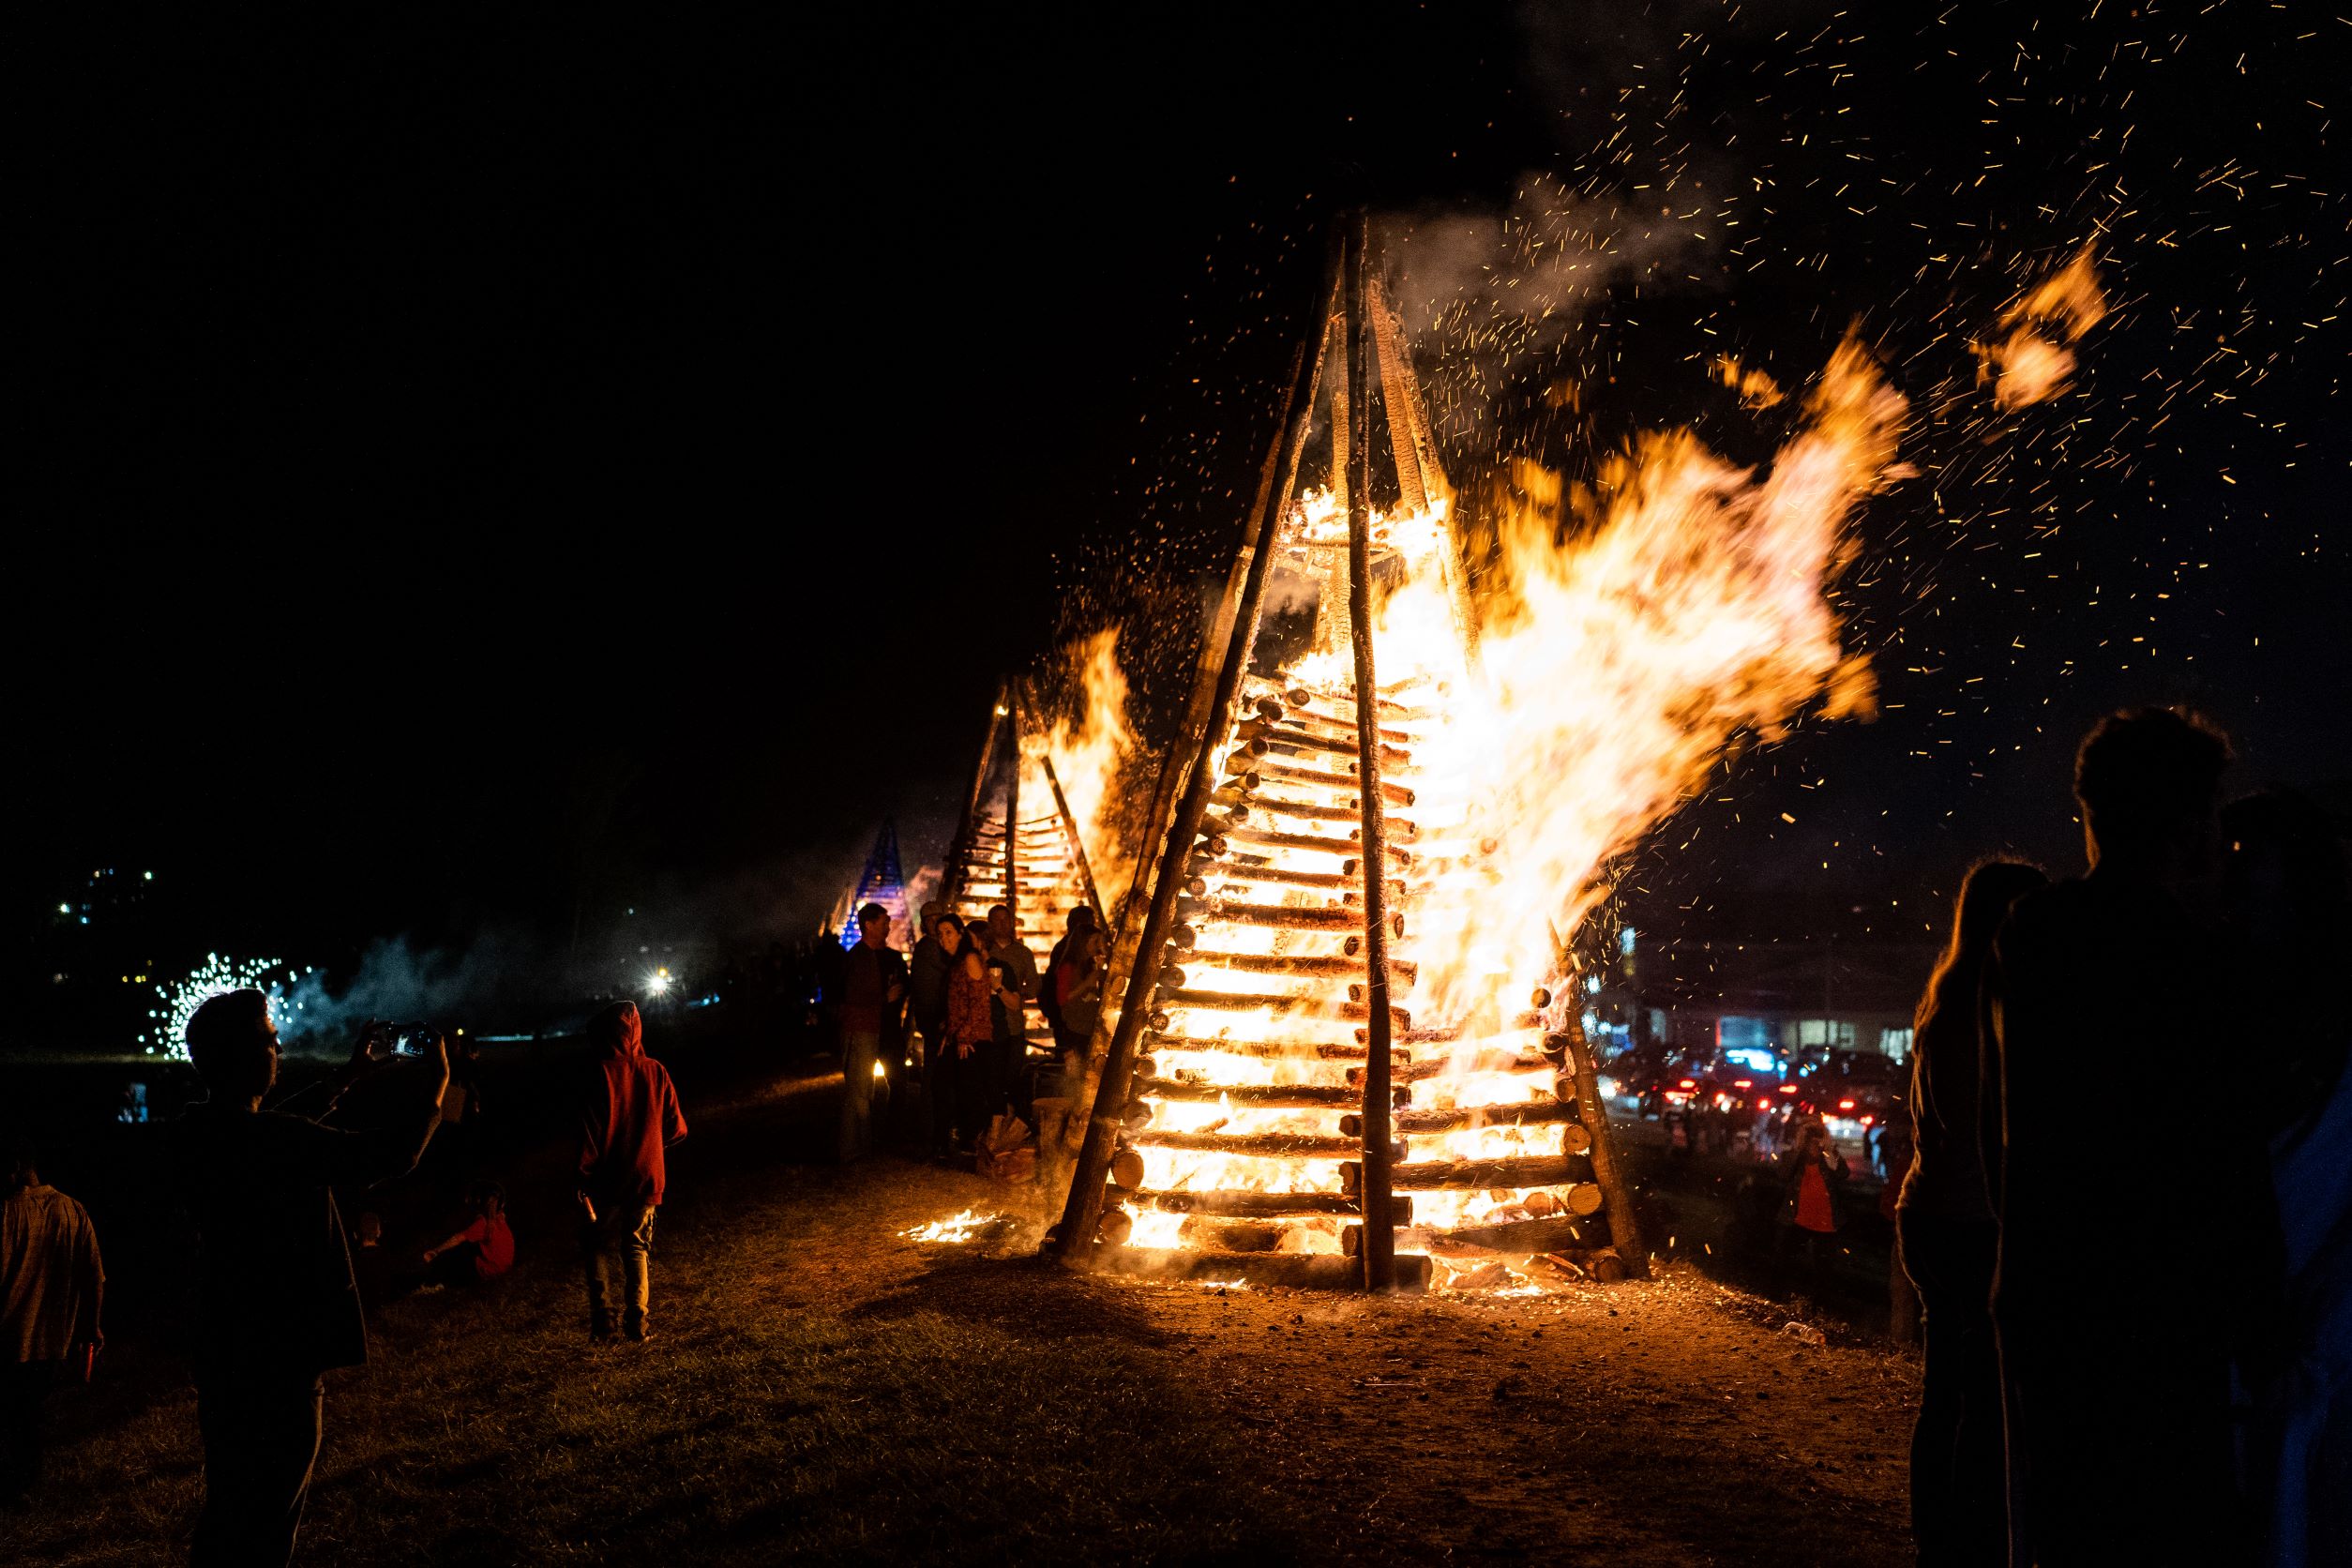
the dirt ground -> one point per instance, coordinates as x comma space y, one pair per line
822, 1389
1672, 1421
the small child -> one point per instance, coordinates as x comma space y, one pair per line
480, 1251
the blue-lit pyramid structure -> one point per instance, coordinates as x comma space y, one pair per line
882, 882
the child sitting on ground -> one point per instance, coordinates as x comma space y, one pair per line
480, 1251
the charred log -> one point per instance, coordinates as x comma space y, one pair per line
1533, 1114
1303, 1271
1269, 1146
1535, 1171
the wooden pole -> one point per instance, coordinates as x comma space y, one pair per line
1625, 1230
1380, 1232
1083, 1213
1417, 470
1055, 1167
960, 849
1078, 847
1012, 827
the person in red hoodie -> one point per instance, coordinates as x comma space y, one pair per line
627, 1119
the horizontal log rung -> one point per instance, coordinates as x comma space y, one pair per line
1304, 1051
1305, 1271
1336, 967
1245, 1204
1535, 1114
1338, 1096
1256, 1146
1400, 794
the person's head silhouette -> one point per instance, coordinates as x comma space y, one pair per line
233, 1042
2150, 782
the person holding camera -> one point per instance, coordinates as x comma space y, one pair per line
276, 1304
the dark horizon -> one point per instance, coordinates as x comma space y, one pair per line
482, 489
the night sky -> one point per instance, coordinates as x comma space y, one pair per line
497, 476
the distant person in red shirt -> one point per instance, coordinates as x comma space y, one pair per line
1808, 1211
628, 1118
483, 1249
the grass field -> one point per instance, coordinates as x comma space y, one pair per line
820, 1390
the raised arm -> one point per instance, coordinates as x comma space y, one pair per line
341, 1156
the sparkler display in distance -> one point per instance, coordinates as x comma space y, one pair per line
178, 999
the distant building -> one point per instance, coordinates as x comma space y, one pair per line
1784, 1000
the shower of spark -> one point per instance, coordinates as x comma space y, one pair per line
178, 999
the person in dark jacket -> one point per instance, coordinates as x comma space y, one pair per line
873, 1003
1944, 1218
1077, 979
1067, 1034
927, 977
970, 1054
277, 1305
2115, 1368
943, 1066
628, 1120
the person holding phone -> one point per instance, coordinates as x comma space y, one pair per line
277, 1305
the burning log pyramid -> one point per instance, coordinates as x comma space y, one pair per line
1274, 1102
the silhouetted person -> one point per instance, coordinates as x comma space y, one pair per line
969, 1057
926, 980
873, 999
51, 1286
1077, 980
1016, 982
372, 1263
1005, 946
2127, 1274
942, 1065
1067, 1034
459, 1139
276, 1306
1950, 1239
2290, 916
628, 1120
2284, 896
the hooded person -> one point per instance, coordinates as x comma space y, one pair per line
630, 1117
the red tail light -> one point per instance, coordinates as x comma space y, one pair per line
1788, 1089
1845, 1105
1688, 1083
